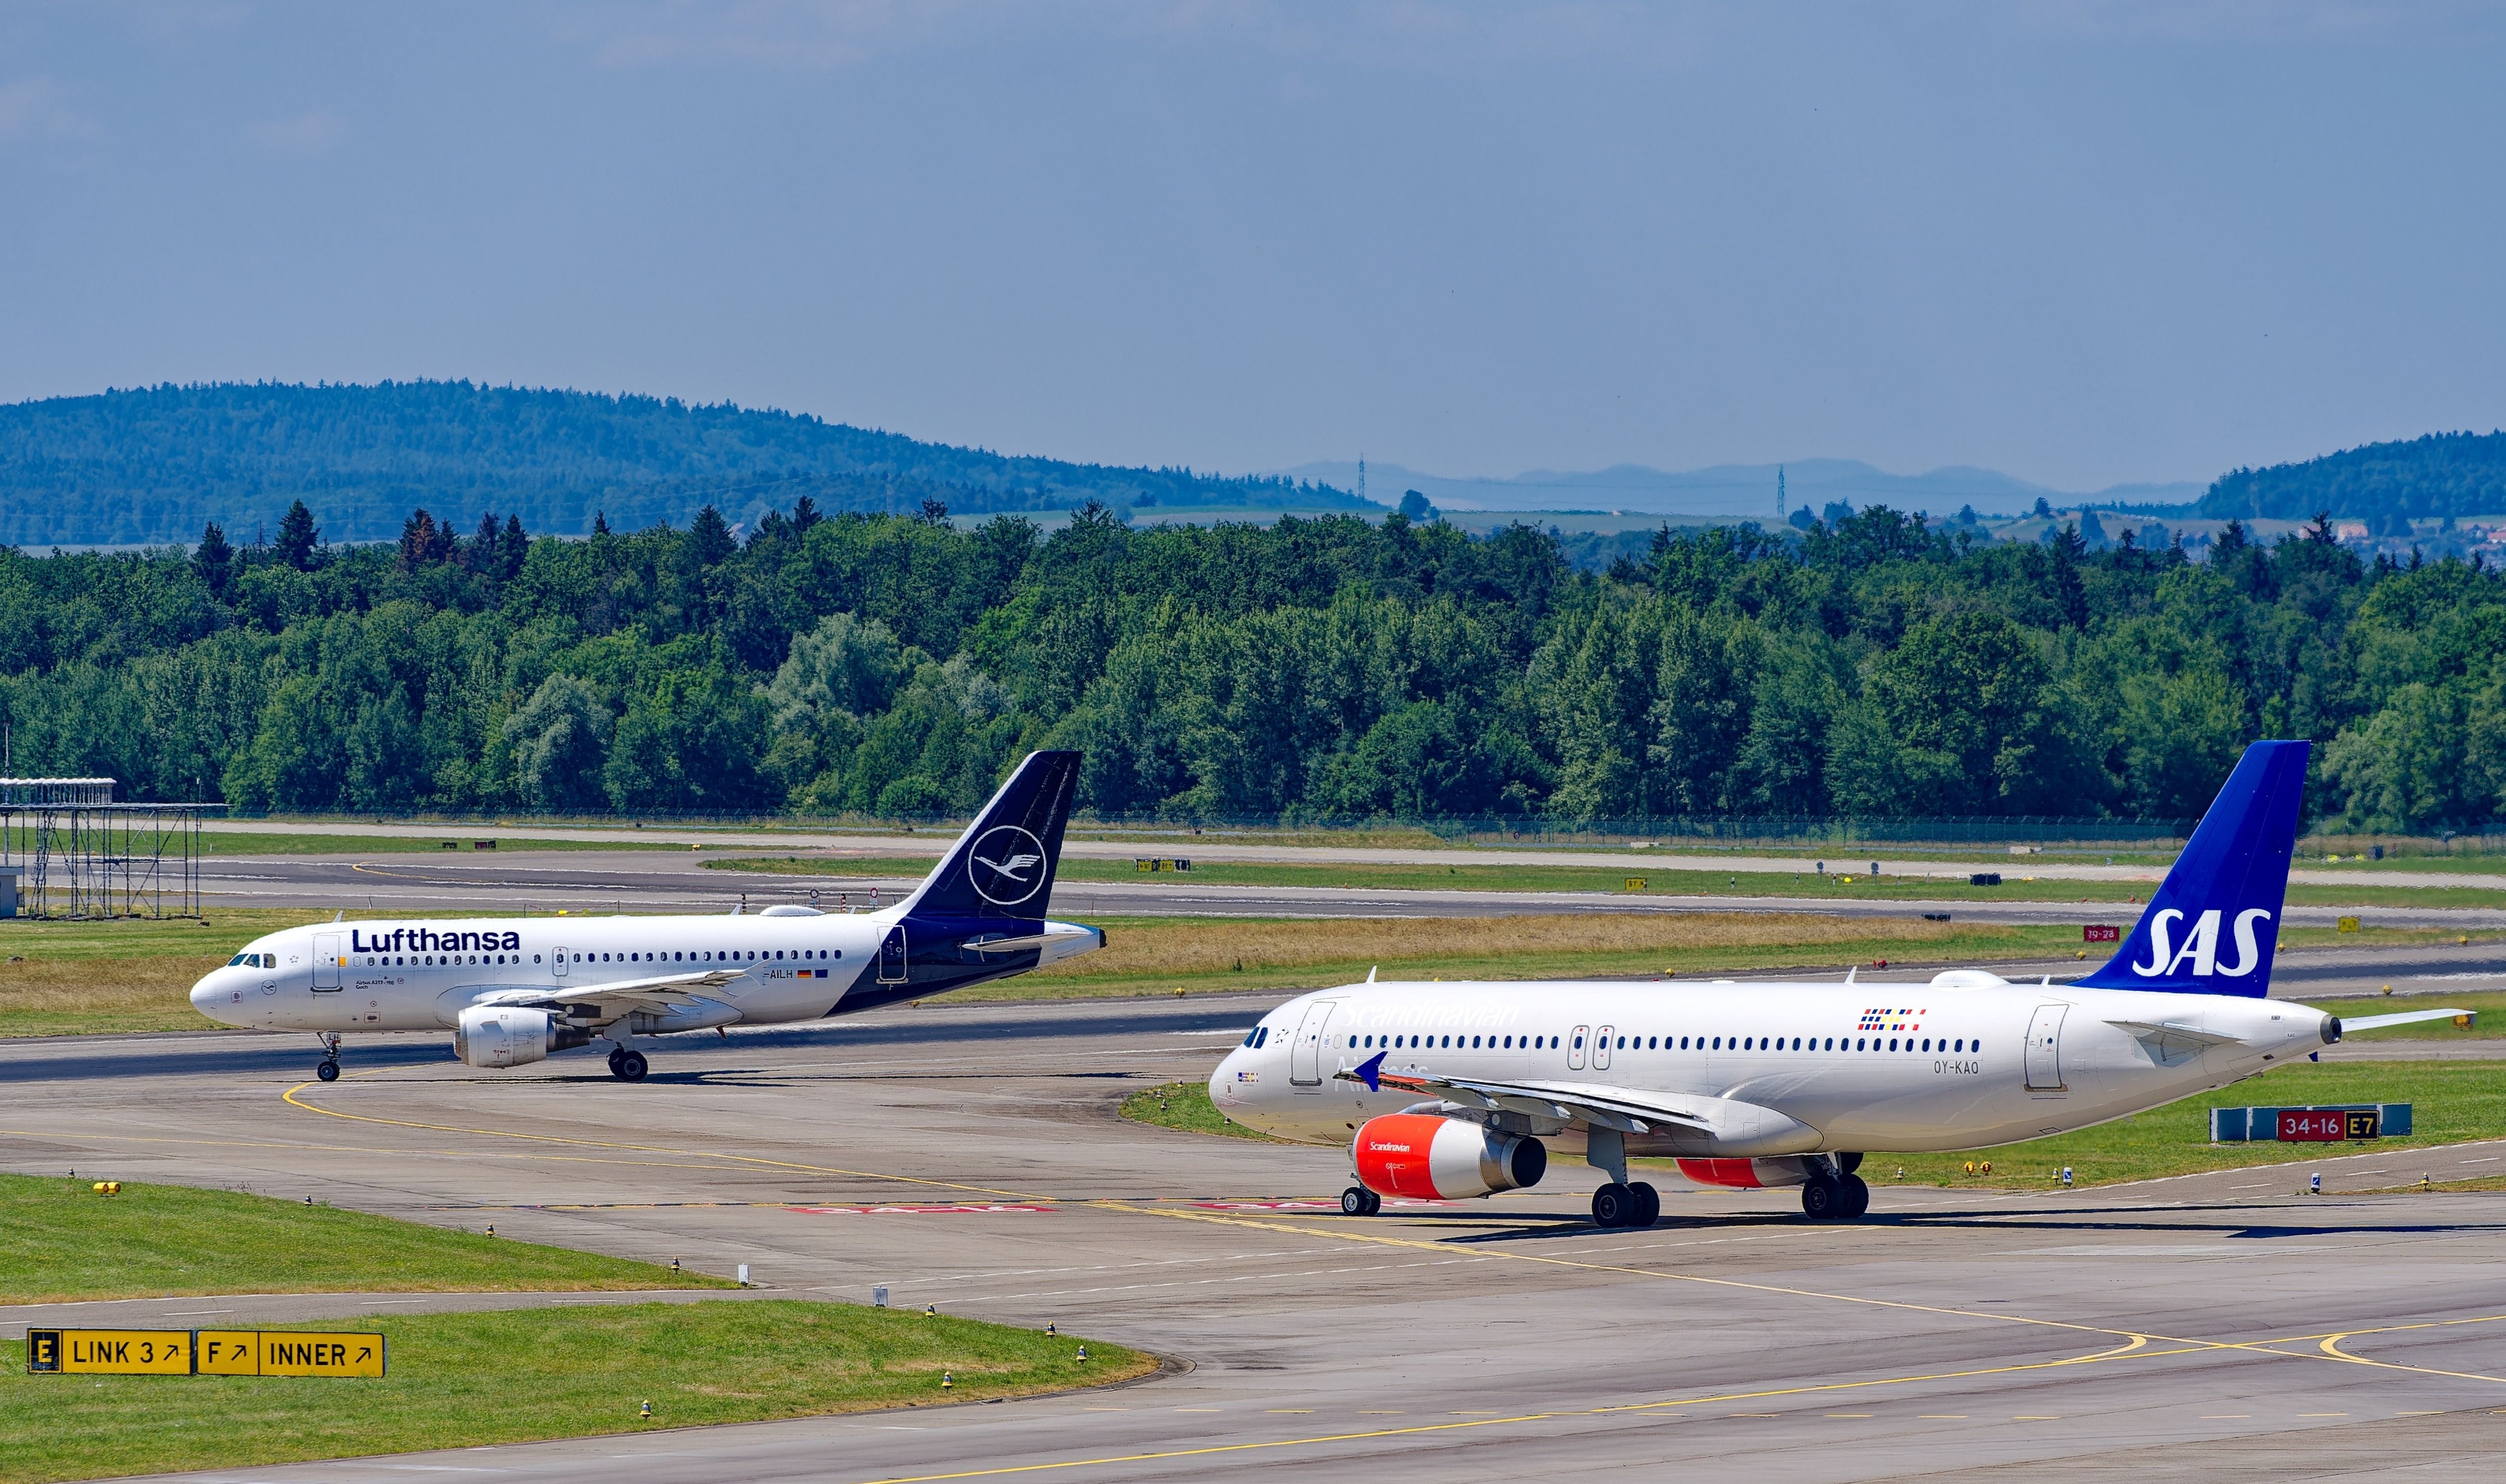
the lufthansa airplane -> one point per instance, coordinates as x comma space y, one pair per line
513, 990
1450, 1089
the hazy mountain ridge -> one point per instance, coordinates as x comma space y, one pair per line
2433, 477
1737, 491
156, 463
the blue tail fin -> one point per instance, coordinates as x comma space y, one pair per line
1003, 865
2212, 925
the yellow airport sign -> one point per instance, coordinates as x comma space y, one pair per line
2349, 924
289, 1353
110, 1351
206, 1353
300, 1354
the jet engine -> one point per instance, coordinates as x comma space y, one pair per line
1421, 1154
503, 1036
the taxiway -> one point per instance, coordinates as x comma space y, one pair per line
968, 1156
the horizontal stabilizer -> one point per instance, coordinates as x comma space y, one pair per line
2405, 1018
2170, 1031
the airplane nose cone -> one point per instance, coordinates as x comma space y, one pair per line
208, 997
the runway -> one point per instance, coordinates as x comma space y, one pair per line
1222, 848
641, 882
968, 1156
659, 881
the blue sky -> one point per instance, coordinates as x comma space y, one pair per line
2081, 243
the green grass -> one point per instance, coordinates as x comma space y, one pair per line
226, 842
1186, 1106
1463, 876
464, 1380
2452, 1102
60, 1241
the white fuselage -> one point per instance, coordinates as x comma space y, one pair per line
419, 975
1965, 1062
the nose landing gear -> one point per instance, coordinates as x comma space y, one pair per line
1358, 1201
329, 1069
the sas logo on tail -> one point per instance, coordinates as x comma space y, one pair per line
2202, 946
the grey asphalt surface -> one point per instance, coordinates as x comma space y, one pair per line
968, 1156
640, 881
1222, 848
656, 882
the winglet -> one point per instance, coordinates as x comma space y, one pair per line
1370, 972
1367, 1069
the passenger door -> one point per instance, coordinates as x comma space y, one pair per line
326, 962
891, 956
2045, 1050
1306, 1057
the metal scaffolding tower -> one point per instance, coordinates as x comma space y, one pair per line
79, 855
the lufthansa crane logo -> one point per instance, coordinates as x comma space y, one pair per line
1006, 865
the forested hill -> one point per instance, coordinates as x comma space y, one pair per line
1328, 669
158, 463
2386, 485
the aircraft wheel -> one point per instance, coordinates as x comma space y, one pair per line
1613, 1205
1823, 1200
1846, 1164
1857, 1198
1353, 1202
1373, 1204
616, 1054
1648, 1203
631, 1065
328, 1071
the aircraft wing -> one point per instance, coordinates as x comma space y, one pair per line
1610, 1108
618, 997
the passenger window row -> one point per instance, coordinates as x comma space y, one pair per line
1955, 1046
433, 961
1472, 1043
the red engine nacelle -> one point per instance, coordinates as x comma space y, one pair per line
1748, 1174
1445, 1159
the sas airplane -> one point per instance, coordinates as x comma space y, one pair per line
1450, 1089
513, 990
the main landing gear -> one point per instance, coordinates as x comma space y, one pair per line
329, 1071
1358, 1201
626, 1065
1635, 1204
1834, 1192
